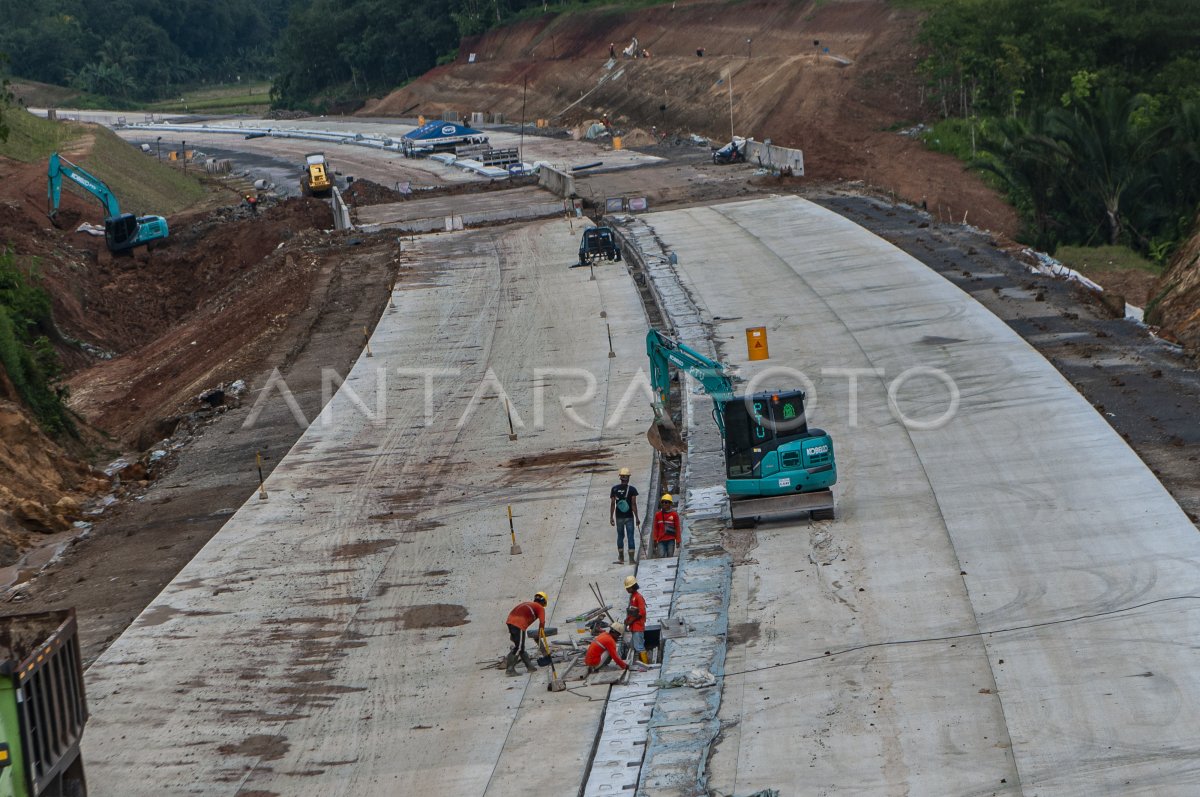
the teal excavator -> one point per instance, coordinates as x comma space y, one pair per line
122, 231
775, 463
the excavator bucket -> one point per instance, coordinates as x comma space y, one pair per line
664, 437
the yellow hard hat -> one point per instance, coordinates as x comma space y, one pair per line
618, 628
630, 581
541, 598
623, 472
667, 497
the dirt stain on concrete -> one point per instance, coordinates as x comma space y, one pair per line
259, 745
352, 550
161, 614
432, 615
577, 458
741, 633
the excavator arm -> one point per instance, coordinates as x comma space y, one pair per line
59, 168
665, 352
122, 231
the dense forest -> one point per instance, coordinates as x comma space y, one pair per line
143, 50
1086, 111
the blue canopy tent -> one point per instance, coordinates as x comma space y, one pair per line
434, 136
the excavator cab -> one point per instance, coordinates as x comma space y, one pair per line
774, 463
121, 232
757, 425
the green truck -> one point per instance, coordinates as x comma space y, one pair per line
42, 706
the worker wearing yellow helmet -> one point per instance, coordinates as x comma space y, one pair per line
635, 619
623, 513
666, 527
519, 619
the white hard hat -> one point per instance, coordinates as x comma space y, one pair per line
618, 628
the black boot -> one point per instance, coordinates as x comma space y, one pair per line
620, 556
510, 662
529, 665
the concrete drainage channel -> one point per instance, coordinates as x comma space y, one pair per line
680, 725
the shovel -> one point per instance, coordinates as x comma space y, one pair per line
515, 549
556, 684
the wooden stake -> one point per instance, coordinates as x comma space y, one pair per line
262, 486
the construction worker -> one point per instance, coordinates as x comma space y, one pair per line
519, 619
605, 643
635, 619
666, 527
623, 513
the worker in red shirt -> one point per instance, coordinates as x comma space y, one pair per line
666, 527
635, 619
519, 619
605, 643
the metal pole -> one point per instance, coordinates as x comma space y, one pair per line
521, 146
184, 152
731, 105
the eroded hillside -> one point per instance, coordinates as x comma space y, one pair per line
836, 79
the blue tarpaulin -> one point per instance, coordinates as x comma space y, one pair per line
432, 132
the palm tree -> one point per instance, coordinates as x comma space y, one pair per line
1106, 147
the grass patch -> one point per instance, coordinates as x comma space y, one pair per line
31, 138
26, 355
1105, 258
231, 98
140, 182
42, 95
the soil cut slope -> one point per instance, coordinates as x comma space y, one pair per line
833, 78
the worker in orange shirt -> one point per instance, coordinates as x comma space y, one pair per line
635, 619
605, 643
666, 527
519, 619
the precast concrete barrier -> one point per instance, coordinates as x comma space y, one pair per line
774, 157
341, 213
556, 181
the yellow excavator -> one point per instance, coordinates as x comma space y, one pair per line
316, 180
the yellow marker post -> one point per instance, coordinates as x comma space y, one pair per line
756, 343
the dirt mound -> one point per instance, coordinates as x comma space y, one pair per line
836, 99
1177, 308
44, 488
196, 312
366, 192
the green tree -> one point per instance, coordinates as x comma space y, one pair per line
26, 354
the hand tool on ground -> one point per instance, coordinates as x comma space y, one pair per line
515, 549
600, 599
556, 684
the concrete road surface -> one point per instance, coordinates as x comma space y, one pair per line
340, 636
1006, 603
